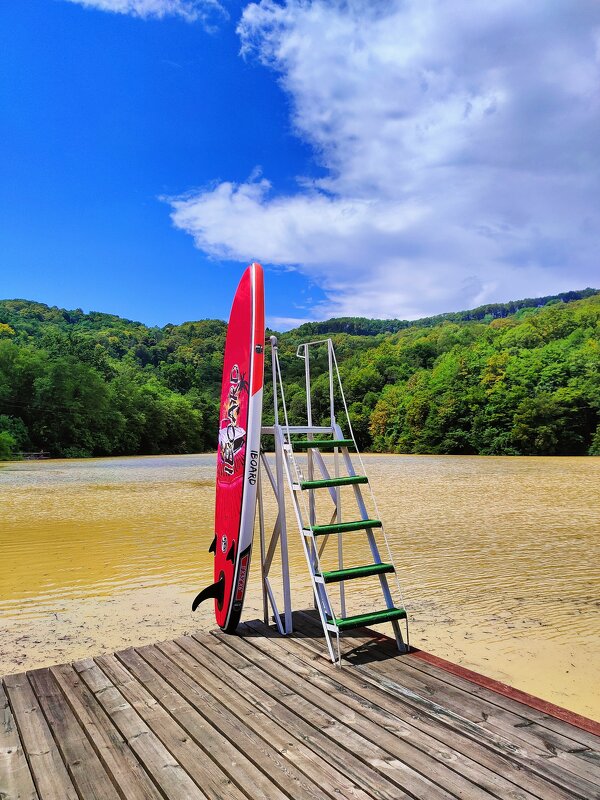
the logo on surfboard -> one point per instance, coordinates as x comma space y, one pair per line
232, 437
244, 561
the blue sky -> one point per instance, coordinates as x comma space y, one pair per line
379, 158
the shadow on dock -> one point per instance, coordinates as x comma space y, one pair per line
374, 647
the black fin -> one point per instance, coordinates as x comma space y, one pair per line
231, 554
216, 590
213, 545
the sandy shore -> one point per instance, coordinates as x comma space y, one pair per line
88, 627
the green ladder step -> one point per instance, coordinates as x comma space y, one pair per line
326, 483
322, 444
332, 576
359, 620
342, 527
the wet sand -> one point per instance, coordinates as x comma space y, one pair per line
498, 557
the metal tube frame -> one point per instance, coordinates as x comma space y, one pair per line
288, 471
279, 533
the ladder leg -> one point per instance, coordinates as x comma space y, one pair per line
285, 568
398, 636
401, 644
263, 550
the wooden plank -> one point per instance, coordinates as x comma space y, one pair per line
166, 772
271, 696
49, 772
574, 726
84, 766
281, 774
519, 728
493, 772
339, 744
548, 766
372, 715
154, 724
381, 647
356, 778
128, 775
311, 751
190, 751
407, 767
16, 781
552, 767
394, 726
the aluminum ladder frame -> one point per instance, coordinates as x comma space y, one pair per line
288, 471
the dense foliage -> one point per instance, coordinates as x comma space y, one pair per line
78, 384
519, 378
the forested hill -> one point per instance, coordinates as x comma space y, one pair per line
363, 326
515, 378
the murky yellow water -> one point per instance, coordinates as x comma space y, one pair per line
499, 560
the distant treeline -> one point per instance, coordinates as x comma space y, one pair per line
513, 378
362, 326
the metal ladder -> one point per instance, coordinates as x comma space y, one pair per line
308, 478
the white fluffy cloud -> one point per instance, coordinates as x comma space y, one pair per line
461, 148
191, 10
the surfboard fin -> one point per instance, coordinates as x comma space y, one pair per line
216, 590
231, 554
213, 545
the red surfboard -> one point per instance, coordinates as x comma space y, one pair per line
238, 449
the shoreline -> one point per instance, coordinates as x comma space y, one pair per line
363, 453
84, 628
73, 648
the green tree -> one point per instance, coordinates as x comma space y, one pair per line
7, 446
543, 425
17, 429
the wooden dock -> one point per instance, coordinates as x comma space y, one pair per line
260, 717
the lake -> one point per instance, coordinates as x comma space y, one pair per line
499, 559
